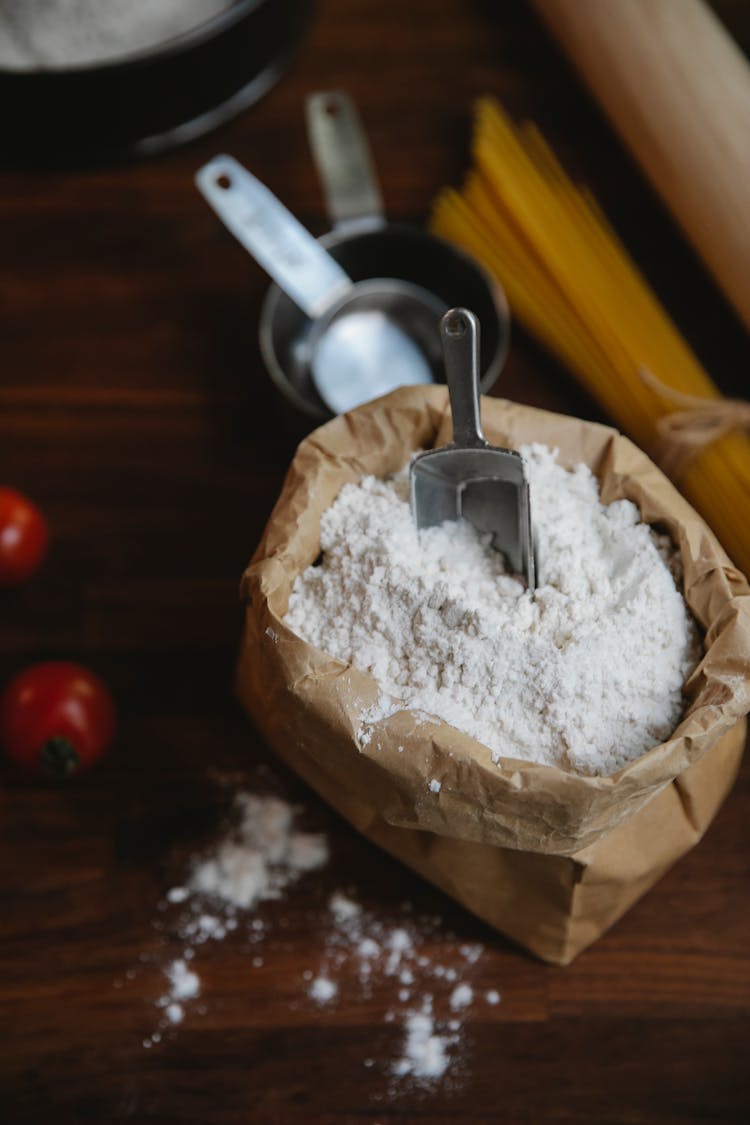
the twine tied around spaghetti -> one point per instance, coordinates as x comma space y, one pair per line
698, 422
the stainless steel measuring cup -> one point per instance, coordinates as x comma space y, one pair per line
365, 337
367, 245
355, 313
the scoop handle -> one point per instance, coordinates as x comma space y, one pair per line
342, 157
279, 243
459, 334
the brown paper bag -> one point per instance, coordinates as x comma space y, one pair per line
548, 857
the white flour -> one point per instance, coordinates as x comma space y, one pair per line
50, 33
361, 958
587, 674
425, 1052
322, 990
379, 952
254, 862
184, 985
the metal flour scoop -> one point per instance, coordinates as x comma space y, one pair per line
470, 478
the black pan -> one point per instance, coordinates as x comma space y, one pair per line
150, 100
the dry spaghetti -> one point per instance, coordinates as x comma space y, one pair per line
571, 283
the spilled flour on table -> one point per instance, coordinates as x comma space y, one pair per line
184, 985
259, 859
586, 674
373, 952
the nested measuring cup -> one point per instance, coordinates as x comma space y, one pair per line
356, 313
367, 245
365, 337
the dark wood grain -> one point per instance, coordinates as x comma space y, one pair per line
134, 408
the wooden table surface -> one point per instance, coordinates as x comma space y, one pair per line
135, 409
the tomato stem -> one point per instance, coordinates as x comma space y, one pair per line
59, 758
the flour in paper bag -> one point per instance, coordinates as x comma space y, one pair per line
586, 674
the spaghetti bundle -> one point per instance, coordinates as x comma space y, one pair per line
571, 283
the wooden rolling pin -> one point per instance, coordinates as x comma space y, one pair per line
677, 88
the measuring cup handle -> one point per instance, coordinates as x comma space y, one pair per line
342, 157
459, 333
284, 248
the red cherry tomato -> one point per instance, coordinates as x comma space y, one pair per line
23, 537
56, 718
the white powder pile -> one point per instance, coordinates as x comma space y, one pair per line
52, 33
260, 857
586, 674
184, 985
425, 1052
461, 996
255, 861
379, 952
322, 989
